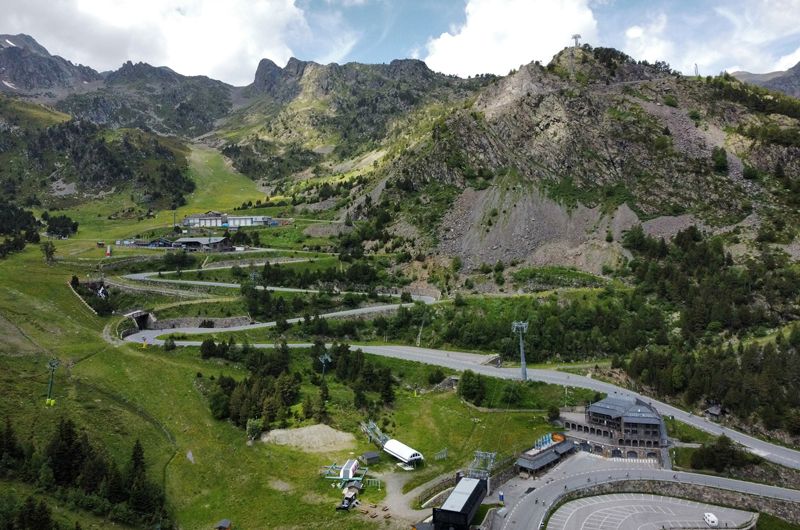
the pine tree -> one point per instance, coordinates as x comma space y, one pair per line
113, 488
387, 388
65, 453
359, 398
136, 465
26, 515
9, 445
308, 407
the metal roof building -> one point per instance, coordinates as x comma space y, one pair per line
535, 461
461, 506
204, 243
631, 420
402, 452
628, 409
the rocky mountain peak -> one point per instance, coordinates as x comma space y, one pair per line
26, 66
131, 72
23, 42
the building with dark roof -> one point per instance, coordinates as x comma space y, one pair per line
369, 458
536, 460
206, 244
461, 506
621, 421
714, 412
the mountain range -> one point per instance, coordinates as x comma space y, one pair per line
786, 81
547, 165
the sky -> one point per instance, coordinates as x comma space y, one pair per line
225, 39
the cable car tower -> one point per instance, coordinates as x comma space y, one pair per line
325, 359
52, 364
521, 328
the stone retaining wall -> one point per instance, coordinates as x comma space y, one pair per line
787, 510
193, 322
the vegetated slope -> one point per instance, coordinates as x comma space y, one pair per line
46, 160
787, 81
551, 161
305, 110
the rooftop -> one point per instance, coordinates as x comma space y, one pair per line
631, 410
200, 240
461, 494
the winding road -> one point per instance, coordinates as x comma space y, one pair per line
526, 514
579, 471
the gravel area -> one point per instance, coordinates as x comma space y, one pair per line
314, 438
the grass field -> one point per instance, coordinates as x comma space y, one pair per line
217, 188
227, 276
119, 393
770, 522
686, 433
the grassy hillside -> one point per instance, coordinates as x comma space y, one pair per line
45, 160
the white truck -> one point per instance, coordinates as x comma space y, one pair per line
711, 519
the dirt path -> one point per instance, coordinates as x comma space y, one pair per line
109, 337
401, 503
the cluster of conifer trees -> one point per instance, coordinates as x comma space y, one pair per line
19, 227
272, 387
76, 471
695, 275
718, 298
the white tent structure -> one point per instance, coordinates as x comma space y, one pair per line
402, 452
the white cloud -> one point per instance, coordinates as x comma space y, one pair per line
755, 28
499, 35
788, 60
224, 40
647, 42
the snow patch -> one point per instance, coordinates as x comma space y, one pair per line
11, 43
10, 85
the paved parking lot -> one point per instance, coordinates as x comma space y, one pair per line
634, 511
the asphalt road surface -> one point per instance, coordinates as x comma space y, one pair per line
477, 363
582, 470
637, 511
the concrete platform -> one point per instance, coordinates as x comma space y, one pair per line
635, 511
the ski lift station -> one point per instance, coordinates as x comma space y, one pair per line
407, 455
402, 452
460, 508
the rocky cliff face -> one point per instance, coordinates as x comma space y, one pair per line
27, 67
136, 95
550, 164
156, 98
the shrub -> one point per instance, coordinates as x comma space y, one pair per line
720, 159
750, 173
435, 376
